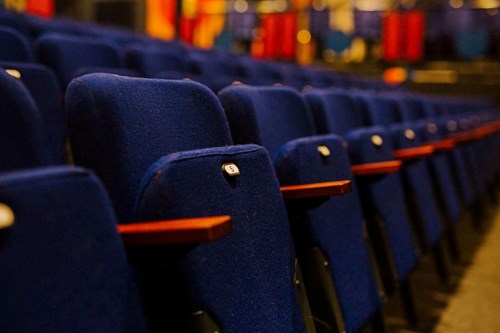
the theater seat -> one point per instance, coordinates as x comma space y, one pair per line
15, 46
71, 56
64, 265
244, 282
331, 238
24, 140
383, 200
45, 91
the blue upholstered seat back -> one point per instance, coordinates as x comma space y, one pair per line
418, 179
409, 107
23, 135
385, 195
465, 178
268, 116
15, 21
68, 54
153, 60
334, 111
46, 92
382, 110
119, 126
64, 268
15, 46
441, 172
336, 226
244, 281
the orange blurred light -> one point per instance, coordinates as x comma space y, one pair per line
395, 75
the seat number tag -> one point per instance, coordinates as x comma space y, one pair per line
324, 151
230, 169
6, 216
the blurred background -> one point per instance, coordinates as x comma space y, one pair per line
439, 46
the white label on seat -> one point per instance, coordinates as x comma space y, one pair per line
230, 169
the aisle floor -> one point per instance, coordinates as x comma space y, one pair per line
475, 306
470, 300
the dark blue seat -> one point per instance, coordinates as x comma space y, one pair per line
245, 282
129, 142
65, 267
15, 46
149, 61
383, 195
268, 116
23, 135
332, 233
70, 56
46, 92
335, 111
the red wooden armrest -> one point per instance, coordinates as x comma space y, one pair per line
442, 145
488, 129
414, 153
316, 190
496, 125
377, 168
466, 136
181, 231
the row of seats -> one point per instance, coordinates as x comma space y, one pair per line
321, 203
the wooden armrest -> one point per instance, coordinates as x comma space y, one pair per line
465, 136
181, 231
442, 145
496, 125
316, 190
414, 153
377, 168
487, 129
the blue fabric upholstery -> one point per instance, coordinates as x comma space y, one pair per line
418, 180
336, 226
44, 88
382, 110
334, 111
260, 71
245, 280
268, 116
150, 61
15, 46
64, 266
15, 21
210, 65
67, 54
385, 195
440, 171
23, 136
461, 166
119, 126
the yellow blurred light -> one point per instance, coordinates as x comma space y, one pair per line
240, 6
371, 5
487, 4
189, 8
456, 3
303, 36
280, 5
434, 76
